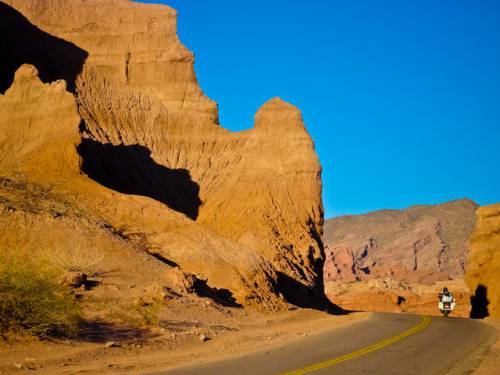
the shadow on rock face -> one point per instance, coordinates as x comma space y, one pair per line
131, 170
302, 296
479, 303
21, 42
223, 297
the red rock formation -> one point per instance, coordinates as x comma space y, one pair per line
421, 244
417, 247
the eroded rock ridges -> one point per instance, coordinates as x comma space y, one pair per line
421, 244
483, 268
399, 260
247, 202
42, 187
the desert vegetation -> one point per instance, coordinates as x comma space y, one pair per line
79, 258
32, 298
141, 314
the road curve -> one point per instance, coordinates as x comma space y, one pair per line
384, 344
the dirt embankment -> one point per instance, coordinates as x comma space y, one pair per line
192, 333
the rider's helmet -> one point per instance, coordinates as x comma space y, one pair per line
445, 290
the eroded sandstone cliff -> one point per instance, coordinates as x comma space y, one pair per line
34, 112
241, 210
483, 268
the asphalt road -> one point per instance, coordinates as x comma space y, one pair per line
384, 344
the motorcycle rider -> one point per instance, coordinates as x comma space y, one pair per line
446, 302
446, 293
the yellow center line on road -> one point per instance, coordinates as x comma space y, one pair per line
424, 323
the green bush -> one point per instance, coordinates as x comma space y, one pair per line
32, 299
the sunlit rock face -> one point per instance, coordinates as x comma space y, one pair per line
242, 210
483, 269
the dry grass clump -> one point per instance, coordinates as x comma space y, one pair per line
139, 314
32, 299
148, 313
78, 258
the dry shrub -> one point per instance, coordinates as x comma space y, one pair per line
32, 299
138, 314
149, 313
85, 259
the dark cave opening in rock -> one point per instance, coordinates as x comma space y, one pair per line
131, 170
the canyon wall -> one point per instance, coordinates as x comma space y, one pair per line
142, 147
483, 269
42, 183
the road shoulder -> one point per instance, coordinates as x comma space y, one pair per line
490, 360
271, 334
484, 359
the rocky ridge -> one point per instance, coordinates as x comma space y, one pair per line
399, 255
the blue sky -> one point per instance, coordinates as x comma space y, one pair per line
402, 98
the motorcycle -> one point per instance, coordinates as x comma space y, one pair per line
446, 304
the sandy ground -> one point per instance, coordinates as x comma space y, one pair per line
230, 331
